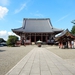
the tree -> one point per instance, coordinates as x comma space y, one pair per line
12, 40
73, 28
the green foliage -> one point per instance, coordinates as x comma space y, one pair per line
73, 30
12, 40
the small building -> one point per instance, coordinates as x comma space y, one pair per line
36, 29
66, 39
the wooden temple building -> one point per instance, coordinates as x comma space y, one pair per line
36, 29
66, 39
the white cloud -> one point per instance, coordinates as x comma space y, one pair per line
37, 14
3, 11
4, 34
63, 18
4, 2
11, 33
21, 8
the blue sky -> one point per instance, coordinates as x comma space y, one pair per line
12, 12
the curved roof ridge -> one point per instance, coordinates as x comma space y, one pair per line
31, 25
36, 19
50, 24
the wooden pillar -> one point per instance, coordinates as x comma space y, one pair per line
30, 38
35, 37
46, 38
61, 44
67, 44
20, 36
74, 43
41, 37
70, 44
24, 36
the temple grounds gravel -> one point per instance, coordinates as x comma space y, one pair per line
67, 54
10, 56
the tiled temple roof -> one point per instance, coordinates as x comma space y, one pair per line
33, 25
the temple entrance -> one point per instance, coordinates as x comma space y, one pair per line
44, 38
32, 38
27, 38
38, 38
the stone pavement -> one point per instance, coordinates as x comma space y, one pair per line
40, 61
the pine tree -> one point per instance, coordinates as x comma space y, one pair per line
73, 28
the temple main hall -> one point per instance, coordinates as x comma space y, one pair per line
34, 29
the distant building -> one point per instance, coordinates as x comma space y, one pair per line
36, 29
66, 39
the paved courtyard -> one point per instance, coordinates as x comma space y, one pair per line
40, 61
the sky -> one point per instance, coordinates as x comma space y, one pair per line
12, 12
